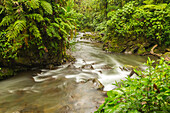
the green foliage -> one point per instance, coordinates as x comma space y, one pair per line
147, 21
38, 26
120, 20
149, 92
47, 7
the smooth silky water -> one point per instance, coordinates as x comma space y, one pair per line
68, 88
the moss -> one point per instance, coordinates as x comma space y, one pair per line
6, 72
141, 50
167, 54
117, 49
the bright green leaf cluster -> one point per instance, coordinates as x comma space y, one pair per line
147, 93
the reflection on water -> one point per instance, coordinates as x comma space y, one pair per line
65, 89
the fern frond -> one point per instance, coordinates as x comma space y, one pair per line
16, 28
19, 25
56, 25
66, 25
34, 4
7, 20
63, 30
2, 8
36, 17
58, 20
47, 19
35, 31
51, 31
47, 7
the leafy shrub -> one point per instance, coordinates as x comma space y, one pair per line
149, 92
141, 21
35, 23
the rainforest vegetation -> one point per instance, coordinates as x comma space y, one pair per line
34, 32
38, 33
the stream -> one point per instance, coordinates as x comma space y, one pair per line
70, 88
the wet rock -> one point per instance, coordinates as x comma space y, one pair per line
128, 51
97, 84
65, 109
130, 43
167, 49
100, 71
166, 56
31, 109
130, 68
88, 66
6, 72
106, 67
50, 66
127, 68
141, 50
71, 66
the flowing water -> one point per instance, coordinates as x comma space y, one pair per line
70, 88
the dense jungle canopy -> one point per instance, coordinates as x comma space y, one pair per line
39, 33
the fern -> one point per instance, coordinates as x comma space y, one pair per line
56, 25
52, 31
58, 20
2, 9
49, 31
67, 25
34, 4
47, 19
63, 30
19, 25
16, 28
35, 31
36, 17
47, 7
7, 20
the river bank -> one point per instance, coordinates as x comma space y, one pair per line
70, 87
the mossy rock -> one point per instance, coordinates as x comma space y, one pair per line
24, 61
130, 43
117, 49
166, 56
141, 50
6, 72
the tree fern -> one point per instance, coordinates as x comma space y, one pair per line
47, 7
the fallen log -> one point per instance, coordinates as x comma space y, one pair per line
159, 55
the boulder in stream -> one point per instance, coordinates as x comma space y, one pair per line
97, 84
